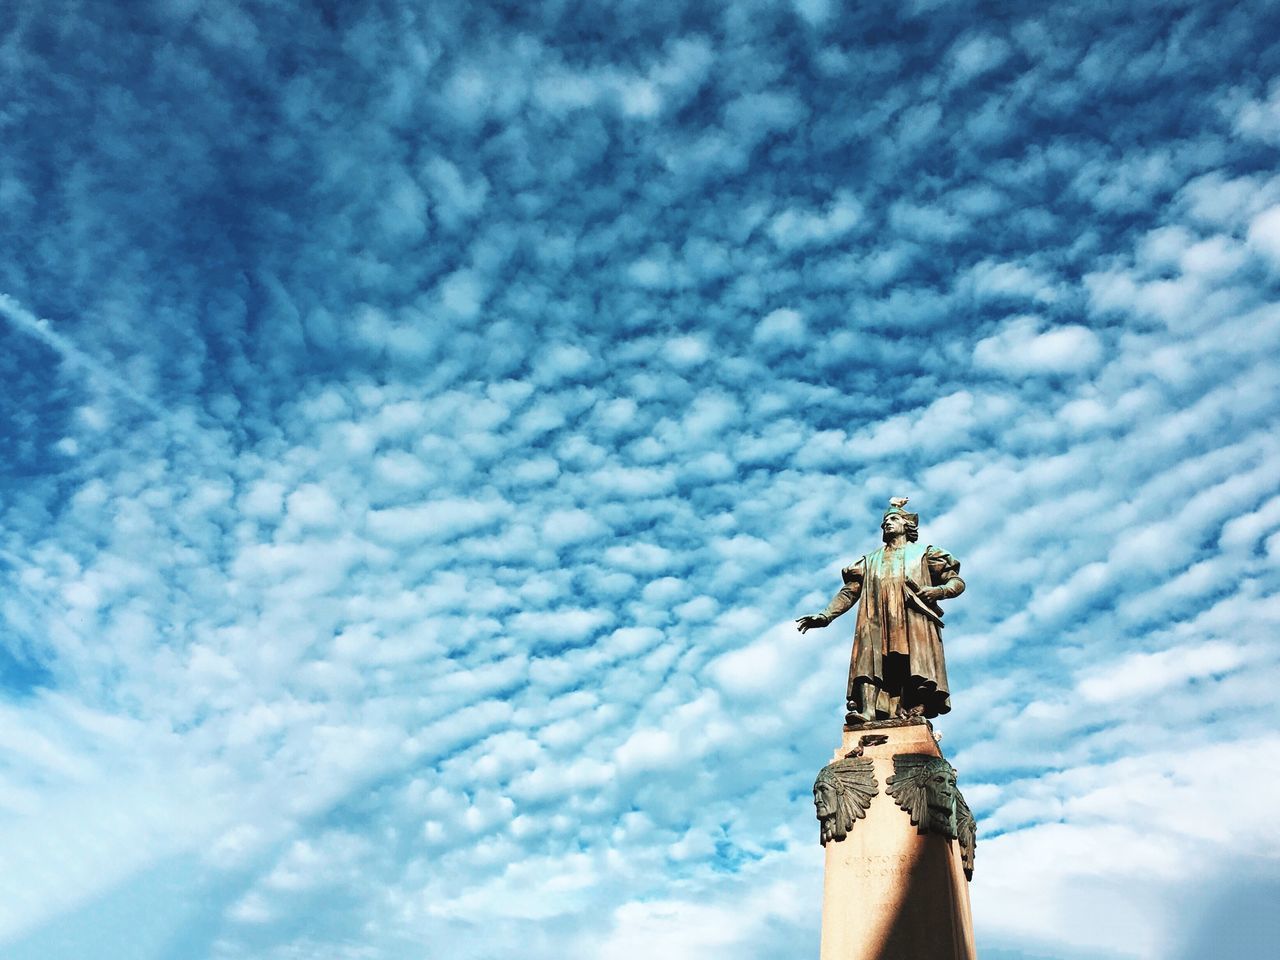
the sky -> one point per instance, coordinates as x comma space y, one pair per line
423, 422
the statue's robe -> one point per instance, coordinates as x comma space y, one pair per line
897, 646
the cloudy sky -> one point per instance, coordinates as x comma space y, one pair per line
422, 423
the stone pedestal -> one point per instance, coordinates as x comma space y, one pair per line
891, 893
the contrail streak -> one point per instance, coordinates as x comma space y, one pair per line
28, 323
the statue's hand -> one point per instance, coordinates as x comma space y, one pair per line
811, 621
932, 594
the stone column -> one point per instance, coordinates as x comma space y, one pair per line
891, 892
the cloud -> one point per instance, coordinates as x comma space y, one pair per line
791, 229
1023, 346
975, 55
1264, 234
1260, 119
780, 328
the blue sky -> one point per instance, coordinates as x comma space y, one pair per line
423, 422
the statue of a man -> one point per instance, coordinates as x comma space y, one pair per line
897, 668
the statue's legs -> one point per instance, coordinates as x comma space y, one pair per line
899, 689
914, 696
862, 708
896, 694
911, 704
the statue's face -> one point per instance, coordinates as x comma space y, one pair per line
893, 524
824, 799
940, 791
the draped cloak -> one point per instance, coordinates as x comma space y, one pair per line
896, 645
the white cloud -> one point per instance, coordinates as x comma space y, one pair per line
1026, 346
439, 520
815, 12
794, 228
778, 659
462, 293
264, 499
686, 352
1264, 235
781, 328
991, 279
312, 506
753, 115
457, 200
974, 55
640, 557
563, 527
1260, 119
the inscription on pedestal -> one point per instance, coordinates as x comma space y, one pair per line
882, 867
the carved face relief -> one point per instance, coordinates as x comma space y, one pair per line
824, 799
940, 791
841, 795
925, 787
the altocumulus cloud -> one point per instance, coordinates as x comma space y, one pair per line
423, 422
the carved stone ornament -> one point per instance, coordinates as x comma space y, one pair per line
925, 787
841, 795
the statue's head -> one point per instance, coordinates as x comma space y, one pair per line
826, 797
940, 789
925, 787
897, 520
841, 795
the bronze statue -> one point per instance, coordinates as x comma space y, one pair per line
897, 667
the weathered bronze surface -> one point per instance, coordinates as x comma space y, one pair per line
966, 833
897, 667
841, 795
925, 787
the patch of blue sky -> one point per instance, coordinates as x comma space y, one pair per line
21, 674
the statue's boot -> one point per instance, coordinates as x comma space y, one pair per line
862, 709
